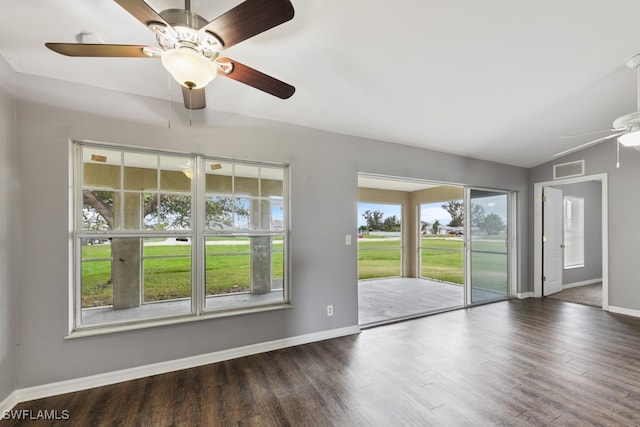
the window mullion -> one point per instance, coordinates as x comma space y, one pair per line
78, 226
121, 194
198, 213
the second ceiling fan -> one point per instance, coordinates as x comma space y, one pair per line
190, 46
625, 128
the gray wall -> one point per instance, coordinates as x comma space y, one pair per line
623, 208
8, 288
591, 191
324, 168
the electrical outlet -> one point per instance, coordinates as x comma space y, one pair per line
329, 310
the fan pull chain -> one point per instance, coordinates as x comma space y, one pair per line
617, 153
169, 115
190, 105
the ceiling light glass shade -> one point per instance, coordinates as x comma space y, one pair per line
188, 67
630, 139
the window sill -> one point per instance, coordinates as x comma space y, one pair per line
111, 329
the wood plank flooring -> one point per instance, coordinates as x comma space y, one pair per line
586, 294
517, 363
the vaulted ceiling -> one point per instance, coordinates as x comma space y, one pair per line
499, 80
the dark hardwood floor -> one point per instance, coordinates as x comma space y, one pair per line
519, 363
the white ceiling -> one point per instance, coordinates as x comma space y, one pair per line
495, 79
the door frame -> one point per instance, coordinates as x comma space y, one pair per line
538, 228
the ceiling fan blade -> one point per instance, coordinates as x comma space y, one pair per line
141, 11
257, 79
194, 99
248, 19
591, 132
590, 143
98, 50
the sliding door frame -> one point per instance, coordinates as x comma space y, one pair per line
512, 252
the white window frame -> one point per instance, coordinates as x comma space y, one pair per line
197, 235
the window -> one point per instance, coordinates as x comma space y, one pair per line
573, 232
163, 235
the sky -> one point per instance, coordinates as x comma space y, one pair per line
432, 211
493, 205
387, 210
429, 212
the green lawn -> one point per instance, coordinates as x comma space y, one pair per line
442, 259
228, 267
489, 263
378, 258
169, 275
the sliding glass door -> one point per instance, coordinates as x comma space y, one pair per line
487, 245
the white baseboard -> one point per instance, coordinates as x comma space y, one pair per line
583, 283
523, 295
625, 311
8, 403
78, 384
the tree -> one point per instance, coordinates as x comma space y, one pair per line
424, 226
221, 210
493, 224
435, 227
391, 224
477, 215
98, 210
456, 211
374, 220
174, 211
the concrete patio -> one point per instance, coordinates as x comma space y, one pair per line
381, 300
389, 299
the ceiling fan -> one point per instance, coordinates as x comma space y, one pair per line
189, 46
626, 128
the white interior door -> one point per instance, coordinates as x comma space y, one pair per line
552, 243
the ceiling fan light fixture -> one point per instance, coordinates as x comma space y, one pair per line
188, 67
630, 139
189, 45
